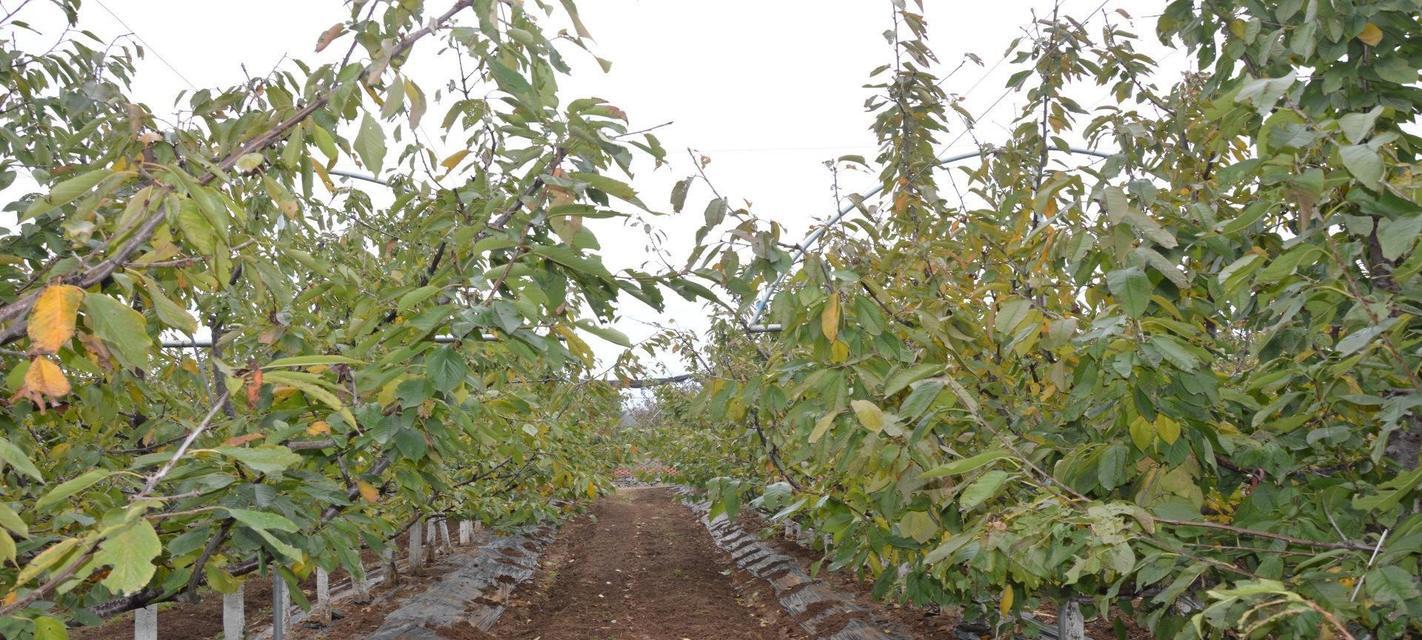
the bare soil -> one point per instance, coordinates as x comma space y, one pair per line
640, 567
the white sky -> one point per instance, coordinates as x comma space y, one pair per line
769, 89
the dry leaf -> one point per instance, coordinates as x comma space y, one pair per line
98, 353
329, 36
244, 439
254, 387
317, 428
52, 318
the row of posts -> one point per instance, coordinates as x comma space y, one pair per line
425, 542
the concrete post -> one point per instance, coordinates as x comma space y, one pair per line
1070, 623
392, 574
234, 614
465, 532
444, 535
361, 585
145, 623
281, 608
322, 610
431, 544
417, 553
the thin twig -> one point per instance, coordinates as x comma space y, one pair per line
182, 449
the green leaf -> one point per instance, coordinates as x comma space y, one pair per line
1361, 338
309, 386
262, 520
1175, 352
921, 398
47, 628
7, 547
1132, 289
909, 375
51, 558
446, 368
1011, 313
614, 188
606, 333
370, 144
411, 444
678, 194
1358, 126
1397, 235
65, 192
130, 552
1396, 69
269, 459
983, 489
918, 525
310, 361
415, 297
170, 312
868, 414
12, 521
249, 162
11, 455
199, 232
124, 330
1111, 470
964, 465
943, 551
71, 487
1391, 492
512, 82
1120, 210
1249, 216
715, 212
263, 523
1363, 162
1391, 583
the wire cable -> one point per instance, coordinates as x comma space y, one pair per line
148, 44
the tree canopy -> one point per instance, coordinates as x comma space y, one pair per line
1177, 383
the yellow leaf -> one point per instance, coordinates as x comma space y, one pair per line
839, 351
1167, 428
829, 318
324, 175
317, 428
1004, 606
869, 415
454, 159
1371, 35
822, 425
45, 377
52, 318
368, 492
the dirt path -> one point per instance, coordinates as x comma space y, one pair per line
641, 568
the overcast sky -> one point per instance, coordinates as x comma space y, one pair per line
768, 89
